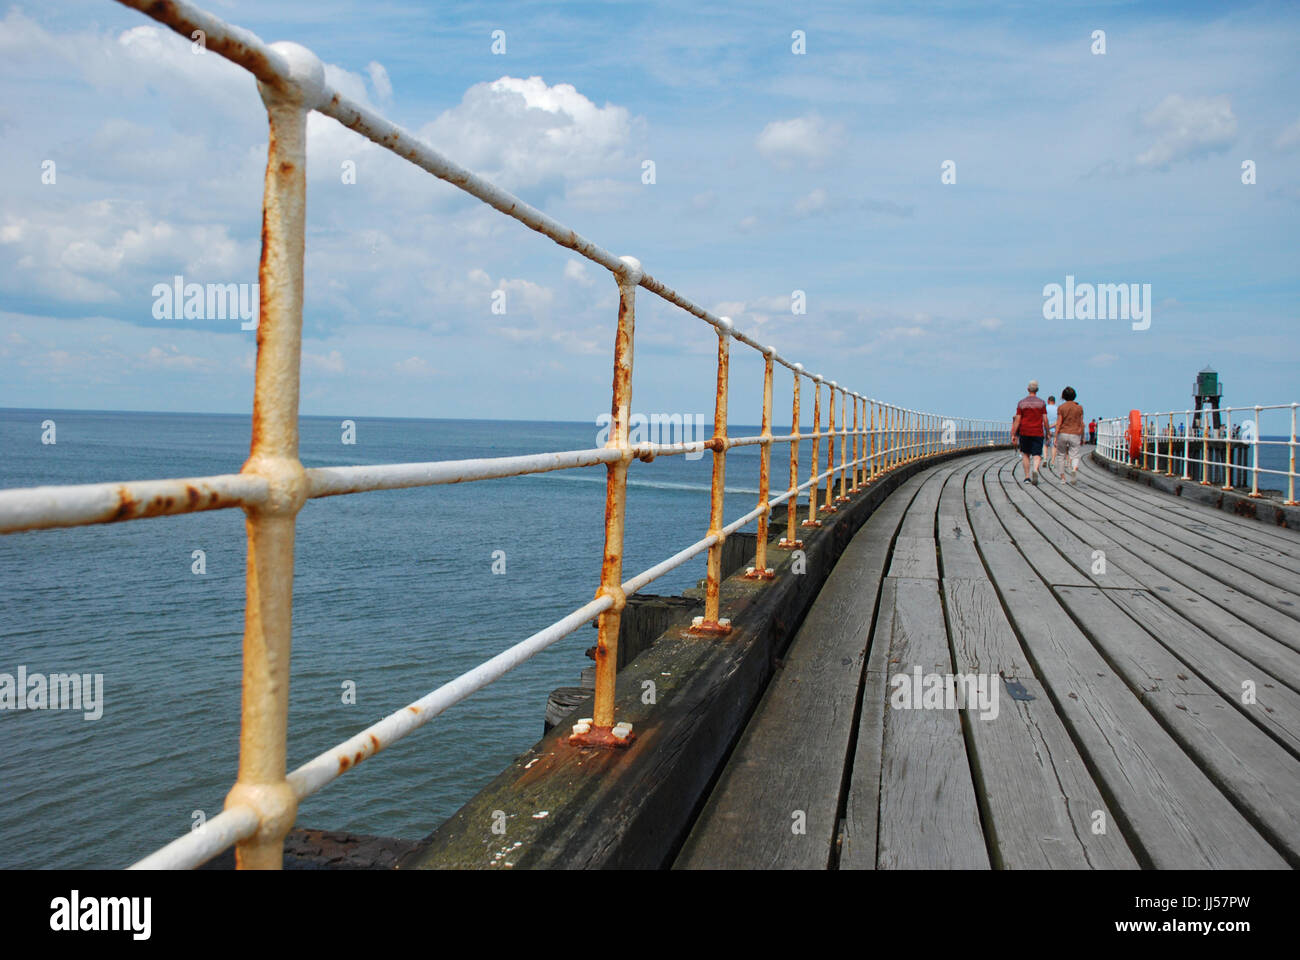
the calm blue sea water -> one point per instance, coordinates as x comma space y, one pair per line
393, 591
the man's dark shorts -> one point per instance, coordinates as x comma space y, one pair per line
1031, 445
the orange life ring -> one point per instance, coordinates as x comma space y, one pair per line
1135, 434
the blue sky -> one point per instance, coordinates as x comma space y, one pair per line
774, 172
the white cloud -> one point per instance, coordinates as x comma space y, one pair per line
604, 194
1289, 138
576, 270
171, 358
702, 202
991, 323
1186, 129
809, 140
331, 362
521, 132
814, 202
379, 79
413, 367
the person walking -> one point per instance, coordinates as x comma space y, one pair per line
1028, 430
1092, 431
1050, 431
1069, 434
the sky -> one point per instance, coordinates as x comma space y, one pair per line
920, 172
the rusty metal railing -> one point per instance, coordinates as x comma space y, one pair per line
273, 485
1210, 455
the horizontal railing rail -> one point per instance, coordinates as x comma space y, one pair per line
1214, 446
273, 485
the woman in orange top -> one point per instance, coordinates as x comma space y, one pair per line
1069, 433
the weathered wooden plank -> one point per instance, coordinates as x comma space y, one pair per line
860, 841
1242, 761
928, 813
1209, 534
858, 849
957, 554
1266, 590
1169, 809
982, 640
1264, 563
914, 557
754, 817
983, 521
919, 521
1279, 538
1079, 553
1222, 612
1038, 799
1271, 704
1243, 603
1000, 486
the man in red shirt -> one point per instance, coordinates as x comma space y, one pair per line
1092, 430
1028, 429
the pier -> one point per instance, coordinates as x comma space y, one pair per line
924, 663
1124, 627
1146, 657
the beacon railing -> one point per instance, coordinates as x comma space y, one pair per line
1187, 444
273, 485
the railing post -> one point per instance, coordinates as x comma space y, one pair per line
273, 454
886, 444
1205, 450
710, 623
1187, 440
1169, 461
892, 459
1227, 449
1254, 469
827, 505
760, 570
790, 541
812, 520
844, 444
602, 730
857, 445
886, 437
875, 467
1290, 476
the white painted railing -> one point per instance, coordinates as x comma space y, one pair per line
1184, 443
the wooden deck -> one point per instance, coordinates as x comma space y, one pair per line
1144, 653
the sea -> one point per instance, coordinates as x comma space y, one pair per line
395, 593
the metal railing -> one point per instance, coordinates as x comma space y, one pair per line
273, 485
1182, 443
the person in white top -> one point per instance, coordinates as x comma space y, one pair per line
1051, 433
